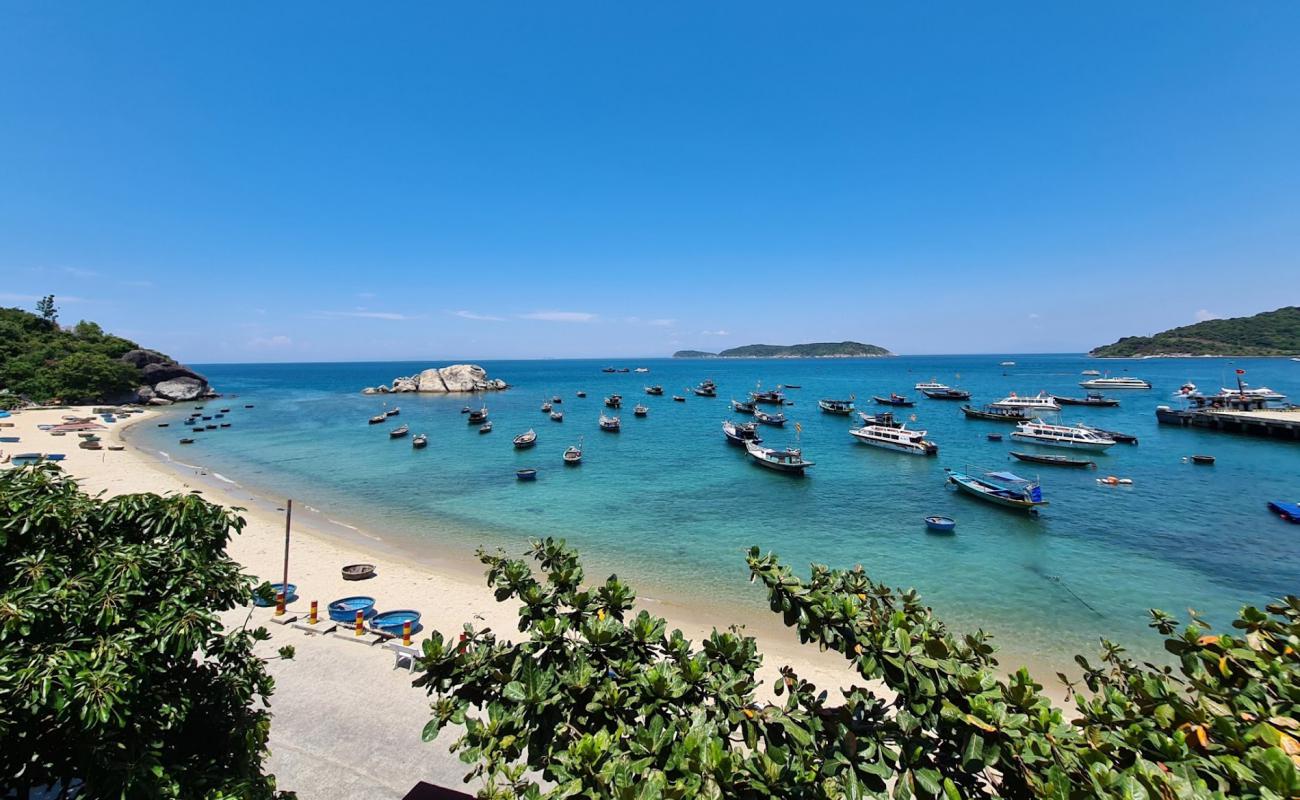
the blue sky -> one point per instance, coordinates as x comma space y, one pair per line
321, 181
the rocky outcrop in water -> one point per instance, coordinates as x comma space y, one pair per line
163, 380
454, 379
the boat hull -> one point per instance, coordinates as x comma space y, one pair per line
928, 449
974, 490
1094, 447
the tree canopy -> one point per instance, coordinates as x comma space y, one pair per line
44, 362
602, 704
116, 674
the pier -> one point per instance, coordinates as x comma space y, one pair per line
1277, 423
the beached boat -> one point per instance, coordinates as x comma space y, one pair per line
640, 410
740, 433
995, 414
1092, 399
742, 408
525, 440
655, 390
769, 419
393, 623
419, 441
789, 460
840, 407
1053, 460
375, 420
395, 433
1042, 433
614, 401
1115, 383
611, 424
946, 393
1117, 436
895, 438
1026, 403
893, 400
557, 416
1001, 488
345, 609
486, 427
357, 572
773, 397
477, 416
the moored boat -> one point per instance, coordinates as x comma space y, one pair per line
706, 388
546, 408
941, 524
375, 420
1001, 488
789, 460
640, 410
1121, 438
742, 408
946, 393
557, 399
893, 400
392, 412
840, 407
557, 416
486, 427
677, 398
1090, 372
1115, 383
776, 420
420, 440
478, 416
773, 397
739, 433
581, 394
573, 454
895, 438
655, 390
611, 424
885, 419
931, 384
995, 414
528, 474
1091, 399
525, 440
1042, 433
395, 433
614, 401
1053, 460
1025, 403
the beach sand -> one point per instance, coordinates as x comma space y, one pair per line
346, 721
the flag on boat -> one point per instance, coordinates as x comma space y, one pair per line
1241, 372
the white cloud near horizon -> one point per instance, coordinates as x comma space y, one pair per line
9, 297
1204, 315
270, 342
560, 316
715, 333
362, 313
662, 323
463, 314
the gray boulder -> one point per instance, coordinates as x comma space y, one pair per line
406, 385
180, 389
157, 373
143, 358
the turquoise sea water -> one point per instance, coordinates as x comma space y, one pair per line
670, 505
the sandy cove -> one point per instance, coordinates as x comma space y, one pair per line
347, 722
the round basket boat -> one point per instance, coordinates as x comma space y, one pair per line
290, 594
391, 622
526, 474
345, 610
942, 524
358, 572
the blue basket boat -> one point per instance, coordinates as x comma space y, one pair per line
942, 524
345, 610
391, 622
290, 594
526, 474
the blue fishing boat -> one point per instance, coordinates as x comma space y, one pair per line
526, 474
769, 419
942, 524
345, 609
1001, 488
392, 622
290, 594
1287, 511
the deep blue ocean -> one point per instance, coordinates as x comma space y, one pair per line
670, 505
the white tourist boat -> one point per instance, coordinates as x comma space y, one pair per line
933, 385
1039, 402
1262, 393
1115, 383
1077, 438
895, 438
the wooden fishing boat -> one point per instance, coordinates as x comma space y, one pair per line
225, 424
486, 427
582, 394
677, 398
1054, 460
946, 393
1204, 460
742, 408
1000, 488
655, 390
477, 417
557, 399
546, 408
526, 474
392, 412
640, 410
378, 418
419, 441
557, 416
614, 401
773, 397
611, 424
399, 432
706, 389
776, 420
885, 419
841, 408
573, 454
525, 440
738, 434
1092, 399
187, 440
790, 460
995, 414
893, 400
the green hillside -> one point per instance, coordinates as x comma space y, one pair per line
1272, 333
811, 350
43, 362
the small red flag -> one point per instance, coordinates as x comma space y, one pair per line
1241, 372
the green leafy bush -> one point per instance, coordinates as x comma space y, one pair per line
597, 703
116, 674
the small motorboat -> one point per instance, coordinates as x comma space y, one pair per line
893, 400
842, 408
378, 418
345, 609
742, 408
582, 394
393, 623
738, 434
573, 454
1287, 511
465, 410
611, 424
995, 437
525, 440
197, 429
557, 399
392, 412
1090, 372
614, 401
478, 417
290, 594
776, 420
225, 424
640, 410
163, 424
420, 441
791, 386
1202, 459
1091, 399
546, 408
207, 419
655, 390
1111, 480
946, 393
557, 416
526, 474
399, 432
486, 427
187, 440
213, 427
790, 460
941, 524
225, 411
1001, 488
1054, 460
677, 398
358, 572
249, 405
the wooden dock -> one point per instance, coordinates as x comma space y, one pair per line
1275, 423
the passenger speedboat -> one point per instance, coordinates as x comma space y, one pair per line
1039, 402
1115, 383
1262, 393
933, 385
1078, 438
895, 438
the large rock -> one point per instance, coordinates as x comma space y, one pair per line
157, 373
406, 385
181, 389
453, 379
143, 358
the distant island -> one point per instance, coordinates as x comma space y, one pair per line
811, 350
1272, 333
